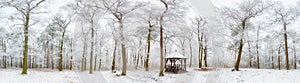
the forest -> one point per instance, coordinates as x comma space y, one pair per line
100, 35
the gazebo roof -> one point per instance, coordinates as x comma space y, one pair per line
175, 55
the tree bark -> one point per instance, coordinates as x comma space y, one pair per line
272, 59
295, 57
4, 52
47, 53
191, 53
239, 55
237, 64
71, 62
205, 56
25, 51
95, 63
257, 48
113, 67
200, 48
92, 48
250, 55
286, 47
148, 45
60, 66
123, 48
161, 73
279, 59
83, 63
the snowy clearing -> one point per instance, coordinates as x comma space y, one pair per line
140, 76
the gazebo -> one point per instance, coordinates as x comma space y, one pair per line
175, 63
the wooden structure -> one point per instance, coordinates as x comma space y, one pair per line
175, 63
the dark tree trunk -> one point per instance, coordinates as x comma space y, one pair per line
71, 62
237, 64
148, 46
286, 48
92, 48
25, 51
47, 54
239, 55
113, 67
279, 59
205, 56
257, 48
295, 57
60, 66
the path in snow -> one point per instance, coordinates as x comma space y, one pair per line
96, 77
185, 78
214, 77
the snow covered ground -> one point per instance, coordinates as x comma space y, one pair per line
140, 76
38, 76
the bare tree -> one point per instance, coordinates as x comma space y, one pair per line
240, 16
285, 16
199, 23
119, 9
26, 8
62, 24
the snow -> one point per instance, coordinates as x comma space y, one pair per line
141, 76
175, 55
37, 76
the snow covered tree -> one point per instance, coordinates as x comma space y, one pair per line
119, 9
27, 8
61, 24
199, 23
240, 18
285, 16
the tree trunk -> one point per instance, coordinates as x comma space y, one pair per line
257, 48
286, 48
25, 51
33, 62
47, 53
95, 63
148, 46
138, 59
161, 73
279, 59
11, 62
4, 62
52, 51
200, 51
92, 48
272, 59
60, 66
257, 58
191, 53
295, 57
237, 64
123, 48
4, 53
83, 63
205, 56
162, 66
250, 56
113, 65
71, 62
